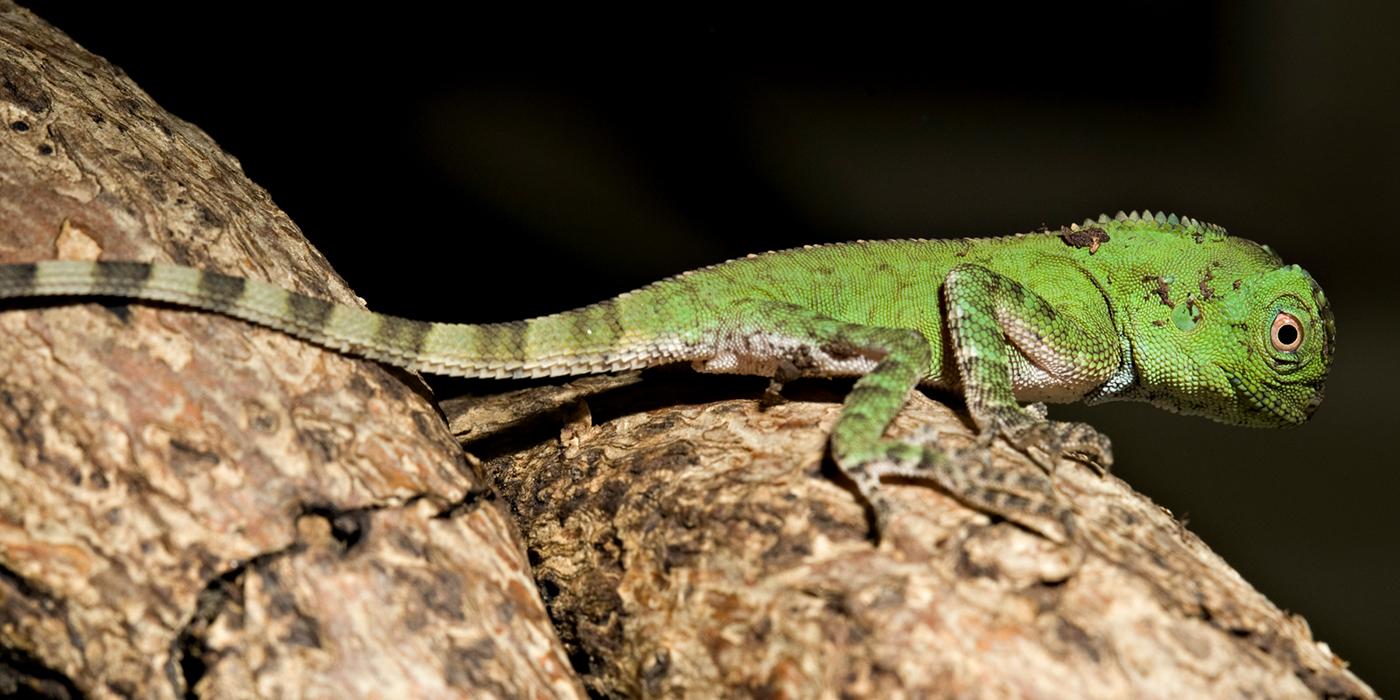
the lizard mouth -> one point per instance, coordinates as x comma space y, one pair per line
1313, 403
1273, 404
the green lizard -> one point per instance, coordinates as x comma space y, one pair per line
1138, 306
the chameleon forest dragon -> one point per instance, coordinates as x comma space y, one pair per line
1144, 307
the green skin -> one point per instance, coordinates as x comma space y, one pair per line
1138, 307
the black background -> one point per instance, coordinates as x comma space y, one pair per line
456, 165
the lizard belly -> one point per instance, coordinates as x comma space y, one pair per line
763, 354
1030, 382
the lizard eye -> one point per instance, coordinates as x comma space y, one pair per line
1287, 332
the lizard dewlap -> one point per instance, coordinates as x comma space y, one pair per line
1145, 307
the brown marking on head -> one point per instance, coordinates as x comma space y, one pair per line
1162, 290
1207, 292
1090, 238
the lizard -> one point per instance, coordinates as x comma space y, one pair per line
1136, 306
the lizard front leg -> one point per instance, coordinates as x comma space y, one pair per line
998, 326
891, 362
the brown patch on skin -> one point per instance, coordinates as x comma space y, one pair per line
1090, 238
18, 276
799, 362
220, 291
788, 369
1159, 322
134, 275
791, 369
1163, 291
840, 350
311, 311
400, 333
1207, 292
1237, 284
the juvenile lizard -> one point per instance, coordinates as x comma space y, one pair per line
1143, 307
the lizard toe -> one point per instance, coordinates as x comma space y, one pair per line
1082, 442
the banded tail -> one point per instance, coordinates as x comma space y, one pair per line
587, 340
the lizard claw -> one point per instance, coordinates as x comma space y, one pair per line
1052, 440
1082, 442
1024, 496
1056, 439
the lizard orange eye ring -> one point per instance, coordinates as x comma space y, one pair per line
1287, 332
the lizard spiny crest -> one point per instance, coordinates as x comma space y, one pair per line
1161, 219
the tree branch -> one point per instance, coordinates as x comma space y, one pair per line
687, 548
189, 505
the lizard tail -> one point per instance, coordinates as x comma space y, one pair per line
587, 340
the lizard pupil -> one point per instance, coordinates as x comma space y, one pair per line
1287, 333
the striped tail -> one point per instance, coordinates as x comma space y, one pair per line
588, 340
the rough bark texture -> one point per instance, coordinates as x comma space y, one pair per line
192, 506
686, 549
189, 505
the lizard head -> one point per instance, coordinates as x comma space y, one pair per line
1274, 349
1225, 330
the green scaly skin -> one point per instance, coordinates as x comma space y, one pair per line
1139, 307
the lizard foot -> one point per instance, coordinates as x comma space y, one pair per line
1024, 497
1027, 428
773, 396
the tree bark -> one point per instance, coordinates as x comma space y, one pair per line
192, 506
685, 549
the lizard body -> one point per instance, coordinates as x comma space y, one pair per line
1137, 306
